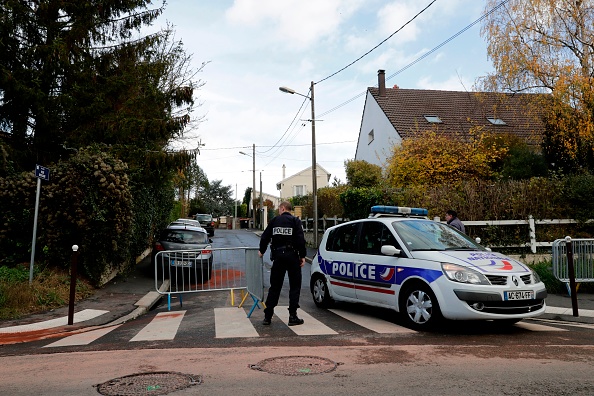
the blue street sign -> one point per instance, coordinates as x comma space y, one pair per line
41, 172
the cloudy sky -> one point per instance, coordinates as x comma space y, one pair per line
253, 47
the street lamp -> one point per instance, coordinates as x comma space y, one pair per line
314, 175
253, 182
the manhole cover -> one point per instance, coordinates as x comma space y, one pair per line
295, 365
159, 383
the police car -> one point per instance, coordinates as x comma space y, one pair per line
426, 270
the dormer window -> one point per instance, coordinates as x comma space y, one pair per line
433, 119
496, 121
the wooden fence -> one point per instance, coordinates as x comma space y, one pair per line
327, 222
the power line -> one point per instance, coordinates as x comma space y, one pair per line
421, 57
288, 145
383, 41
281, 147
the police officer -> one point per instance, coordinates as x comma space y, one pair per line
287, 252
453, 221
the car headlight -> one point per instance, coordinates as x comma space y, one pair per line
535, 276
458, 273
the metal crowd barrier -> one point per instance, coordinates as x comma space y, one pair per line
179, 272
583, 259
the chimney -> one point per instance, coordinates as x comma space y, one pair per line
283, 171
381, 82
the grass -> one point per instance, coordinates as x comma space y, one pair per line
50, 289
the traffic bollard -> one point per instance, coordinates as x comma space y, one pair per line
72, 285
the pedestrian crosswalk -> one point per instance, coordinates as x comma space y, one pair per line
231, 322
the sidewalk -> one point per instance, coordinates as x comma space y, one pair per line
124, 299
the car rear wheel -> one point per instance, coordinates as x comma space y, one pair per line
419, 307
320, 293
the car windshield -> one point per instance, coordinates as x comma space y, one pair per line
184, 236
431, 235
203, 217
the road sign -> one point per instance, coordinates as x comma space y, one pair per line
41, 172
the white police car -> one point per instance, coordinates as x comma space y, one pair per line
399, 259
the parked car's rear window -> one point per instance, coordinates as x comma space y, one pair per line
203, 217
184, 236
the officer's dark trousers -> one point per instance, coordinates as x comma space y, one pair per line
283, 264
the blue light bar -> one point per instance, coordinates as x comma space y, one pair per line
402, 210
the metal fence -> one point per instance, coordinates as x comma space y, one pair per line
180, 272
583, 260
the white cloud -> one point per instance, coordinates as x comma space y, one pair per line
300, 22
452, 83
394, 15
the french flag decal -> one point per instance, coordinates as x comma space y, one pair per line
507, 266
387, 274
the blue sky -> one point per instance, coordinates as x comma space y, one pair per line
255, 46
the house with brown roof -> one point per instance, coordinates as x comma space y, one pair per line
393, 114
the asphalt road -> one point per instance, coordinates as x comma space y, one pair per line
537, 356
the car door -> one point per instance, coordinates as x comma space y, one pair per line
374, 273
339, 255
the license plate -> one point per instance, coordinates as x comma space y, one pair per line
518, 295
181, 263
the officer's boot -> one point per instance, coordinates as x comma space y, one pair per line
294, 320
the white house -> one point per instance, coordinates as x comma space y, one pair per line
393, 114
301, 182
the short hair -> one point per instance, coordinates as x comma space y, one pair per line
286, 205
452, 213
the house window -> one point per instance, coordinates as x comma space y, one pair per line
299, 190
370, 137
433, 119
496, 121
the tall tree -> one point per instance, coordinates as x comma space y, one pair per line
75, 72
547, 46
361, 173
218, 199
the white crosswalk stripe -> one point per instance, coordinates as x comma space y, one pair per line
164, 326
83, 338
310, 327
372, 323
85, 314
233, 322
537, 327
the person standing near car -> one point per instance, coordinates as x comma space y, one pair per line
287, 252
453, 221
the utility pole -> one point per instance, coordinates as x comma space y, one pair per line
254, 184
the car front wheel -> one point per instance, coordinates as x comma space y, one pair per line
320, 293
419, 307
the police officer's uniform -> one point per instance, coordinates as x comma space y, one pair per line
287, 248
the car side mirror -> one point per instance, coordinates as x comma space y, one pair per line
389, 250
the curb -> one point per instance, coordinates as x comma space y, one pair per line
143, 305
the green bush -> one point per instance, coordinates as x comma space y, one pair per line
579, 190
14, 275
544, 269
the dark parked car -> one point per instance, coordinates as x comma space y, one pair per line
206, 222
192, 262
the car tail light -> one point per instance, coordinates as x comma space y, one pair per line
206, 251
159, 247
212, 223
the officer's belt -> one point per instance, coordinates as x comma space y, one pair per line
285, 247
